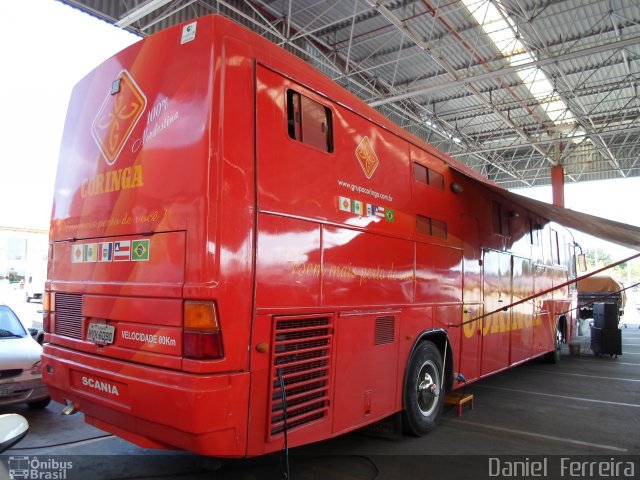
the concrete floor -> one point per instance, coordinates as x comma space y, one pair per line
584, 407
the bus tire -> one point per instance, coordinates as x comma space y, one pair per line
423, 391
553, 357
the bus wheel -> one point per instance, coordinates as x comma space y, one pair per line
554, 356
423, 391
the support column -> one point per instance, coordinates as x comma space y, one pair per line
557, 185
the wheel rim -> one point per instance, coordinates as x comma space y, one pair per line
559, 340
428, 389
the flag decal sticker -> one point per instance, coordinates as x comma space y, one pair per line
122, 251
390, 216
116, 251
140, 250
77, 253
346, 204
90, 253
105, 252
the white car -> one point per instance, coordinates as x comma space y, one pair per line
20, 374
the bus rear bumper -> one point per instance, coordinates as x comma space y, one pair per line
152, 407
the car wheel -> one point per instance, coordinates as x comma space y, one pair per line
39, 404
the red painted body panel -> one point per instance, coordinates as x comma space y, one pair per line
366, 390
180, 180
158, 404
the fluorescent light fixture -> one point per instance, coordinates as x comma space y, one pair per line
140, 12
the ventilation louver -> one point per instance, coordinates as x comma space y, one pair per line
302, 354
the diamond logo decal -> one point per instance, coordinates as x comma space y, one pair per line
120, 112
367, 157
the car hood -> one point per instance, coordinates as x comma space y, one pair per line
19, 353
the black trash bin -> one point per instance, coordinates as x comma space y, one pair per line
606, 337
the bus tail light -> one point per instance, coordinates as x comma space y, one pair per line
46, 311
202, 338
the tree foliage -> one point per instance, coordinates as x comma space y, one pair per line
598, 258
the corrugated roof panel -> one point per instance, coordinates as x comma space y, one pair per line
589, 50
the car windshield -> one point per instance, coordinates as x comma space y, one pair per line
10, 326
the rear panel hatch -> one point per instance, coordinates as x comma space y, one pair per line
132, 199
134, 157
106, 297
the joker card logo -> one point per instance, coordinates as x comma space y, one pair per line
367, 157
119, 114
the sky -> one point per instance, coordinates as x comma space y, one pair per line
612, 199
47, 47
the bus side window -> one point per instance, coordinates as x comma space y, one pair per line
294, 119
431, 226
438, 228
309, 122
556, 251
496, 217
500, 220
420, 173
436, 179
534, 232
428, 176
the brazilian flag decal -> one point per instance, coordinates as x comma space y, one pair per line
140, 250
390, 216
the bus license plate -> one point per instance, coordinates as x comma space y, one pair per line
100, 333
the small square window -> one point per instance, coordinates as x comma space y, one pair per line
427, 176
438, 228
436, 179
309, 122
420, 173
423, 225
431, 227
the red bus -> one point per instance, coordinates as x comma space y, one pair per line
240, 247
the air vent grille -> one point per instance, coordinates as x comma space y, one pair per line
68, 315
302, 356
385, 330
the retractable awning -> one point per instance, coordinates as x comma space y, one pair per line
616, 232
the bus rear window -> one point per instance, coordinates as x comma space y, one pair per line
309, 122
